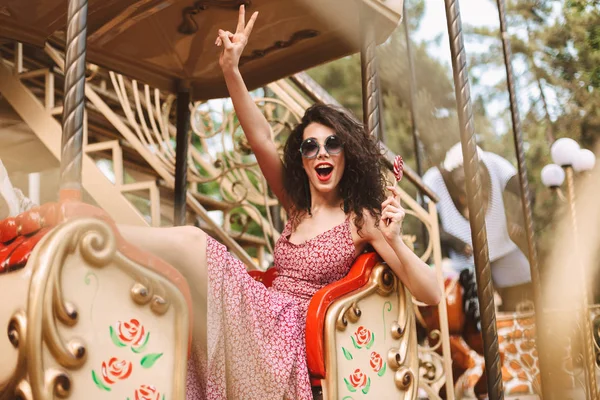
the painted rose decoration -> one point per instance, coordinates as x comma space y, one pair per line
358, 380
131, 333
377, 364
112, 371
363, 338
147, 392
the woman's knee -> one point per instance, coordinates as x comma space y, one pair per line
189, 237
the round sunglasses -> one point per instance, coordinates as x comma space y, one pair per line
310, 147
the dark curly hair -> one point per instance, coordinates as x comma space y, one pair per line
362, 186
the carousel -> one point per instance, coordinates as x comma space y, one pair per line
115, 100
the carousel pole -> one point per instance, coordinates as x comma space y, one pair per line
522, 168
413, 118
370, 78
181, 153
485, 290
74, 101
413, 94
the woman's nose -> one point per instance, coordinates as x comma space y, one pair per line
322, 152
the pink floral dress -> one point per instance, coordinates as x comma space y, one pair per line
256, 344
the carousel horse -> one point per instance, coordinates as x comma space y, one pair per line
516, 337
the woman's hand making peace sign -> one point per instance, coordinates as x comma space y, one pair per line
234, 43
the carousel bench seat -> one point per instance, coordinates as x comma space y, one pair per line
87, 315
360, 334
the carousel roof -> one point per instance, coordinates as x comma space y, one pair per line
166, 42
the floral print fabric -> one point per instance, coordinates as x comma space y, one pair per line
256, 341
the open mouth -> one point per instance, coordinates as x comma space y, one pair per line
324, 171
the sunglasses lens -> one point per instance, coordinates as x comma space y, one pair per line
333, 145
309, 148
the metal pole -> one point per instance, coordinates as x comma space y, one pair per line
181, 154
522, 168
413, 119
370, 80
588, 343
74, 101
412, 93
485, 290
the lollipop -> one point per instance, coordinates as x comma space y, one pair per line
398, 168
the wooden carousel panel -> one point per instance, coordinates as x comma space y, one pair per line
371, 342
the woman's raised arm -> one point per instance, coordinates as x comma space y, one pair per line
253, 122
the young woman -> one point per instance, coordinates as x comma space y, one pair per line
250, 339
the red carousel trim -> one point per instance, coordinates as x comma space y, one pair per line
315, 320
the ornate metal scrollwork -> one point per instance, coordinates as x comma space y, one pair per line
280, 44
189, 26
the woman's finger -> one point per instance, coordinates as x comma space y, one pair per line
241, 20
396, 203
386, 202
393, 209
394, 190
386, 216
225, 39
250, 24
218, 42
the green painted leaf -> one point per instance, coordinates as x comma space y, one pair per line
354, 342
98, 382
115, 338
163, 398
372, 341
149, 360
141, 348
349, 386
347, 354
365, 390
389, 308
348, 398
382, 370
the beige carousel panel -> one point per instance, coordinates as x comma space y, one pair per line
100, 326
371, 343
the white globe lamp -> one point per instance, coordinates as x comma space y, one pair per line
553, 176
564, 152
585, 161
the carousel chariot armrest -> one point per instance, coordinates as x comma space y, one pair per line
361, 334
88, 315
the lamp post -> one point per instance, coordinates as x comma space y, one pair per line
569, 158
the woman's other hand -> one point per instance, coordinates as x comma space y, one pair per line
392, 216
234, 43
